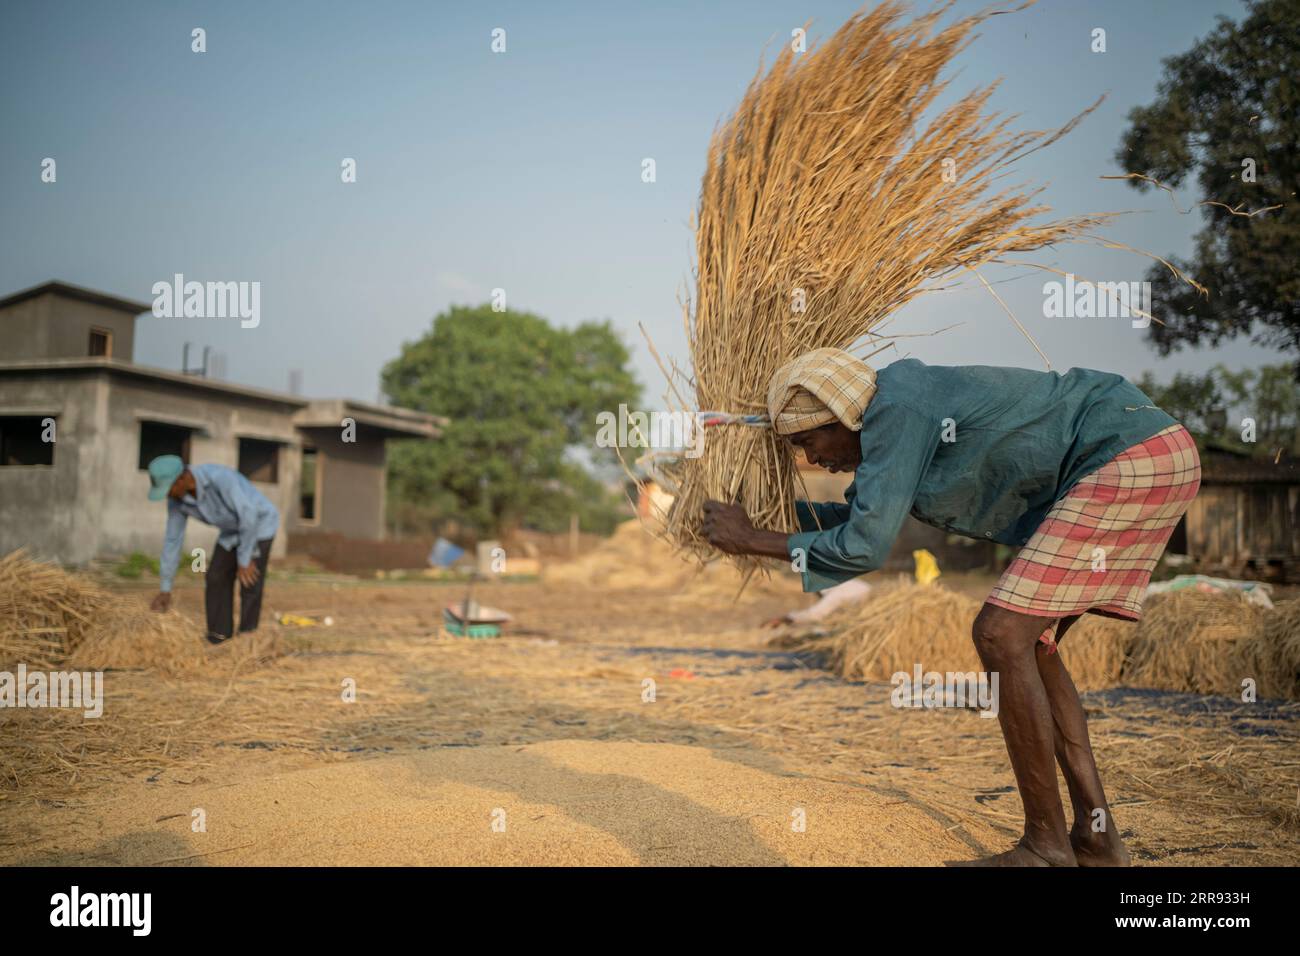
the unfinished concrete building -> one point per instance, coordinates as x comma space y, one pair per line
80, 421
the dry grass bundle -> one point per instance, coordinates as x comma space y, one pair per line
135, 637
897, 629
44, 611
824, 208
628, 558
1194, 641
634, 558
1095, 650
139, 639
1183, 638
50, 618
1186, 641
930, 625
1270, 654
1279, 669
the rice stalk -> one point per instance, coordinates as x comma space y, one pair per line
824, 208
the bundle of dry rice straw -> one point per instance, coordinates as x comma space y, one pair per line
837, 192
50, 618
1186, 641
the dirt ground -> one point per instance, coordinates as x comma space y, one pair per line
623, 727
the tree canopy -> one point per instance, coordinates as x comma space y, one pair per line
1216, 406
1227, 113
521, 396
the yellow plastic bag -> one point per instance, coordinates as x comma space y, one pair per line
927, 568
298, 620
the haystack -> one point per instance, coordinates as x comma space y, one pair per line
50, 618
838, 192
634, 558
909, 624
44, 612
1274, 661
1199, 642
1095, 651
897, 628
1186, 641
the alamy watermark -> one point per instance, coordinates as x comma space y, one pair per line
1083, 299
75, 908
658, 430
932, 689
179, 299
82, 690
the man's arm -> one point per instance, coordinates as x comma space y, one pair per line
728, 526
729, 529
820, 515
897, 447
173, 537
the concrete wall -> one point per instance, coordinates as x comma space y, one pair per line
92, 500
25, 329
42, 507
132, 522
54, 326
352, 481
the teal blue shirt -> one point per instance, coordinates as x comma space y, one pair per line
974, 450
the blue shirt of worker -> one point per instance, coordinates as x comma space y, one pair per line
226, 500
975, 450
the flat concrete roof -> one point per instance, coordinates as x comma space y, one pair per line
328, 413
307, 413
70, 291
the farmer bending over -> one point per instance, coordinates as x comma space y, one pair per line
247, 520
1080, 471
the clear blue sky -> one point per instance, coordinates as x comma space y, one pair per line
479, 170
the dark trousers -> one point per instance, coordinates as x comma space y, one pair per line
220, 591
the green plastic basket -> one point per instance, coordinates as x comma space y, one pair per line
461, 629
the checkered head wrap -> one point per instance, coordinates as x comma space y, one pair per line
820, 387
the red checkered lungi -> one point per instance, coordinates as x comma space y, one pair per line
1097, 547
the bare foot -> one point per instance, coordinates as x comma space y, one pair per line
1099, 849
1019, 855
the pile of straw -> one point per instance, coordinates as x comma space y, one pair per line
1186, 641
1095, 650
1201, 642
44, 612
930, 625
634, 558
1276, 659
50, 618
893, 631
824, 208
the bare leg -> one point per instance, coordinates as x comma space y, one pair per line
1005, 641
1094, 837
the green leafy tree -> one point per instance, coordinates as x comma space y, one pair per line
1269, 395
1227, 112
1194, 400
521, 397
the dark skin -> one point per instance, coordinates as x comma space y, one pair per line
247, 573
728, 528
1042, 721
